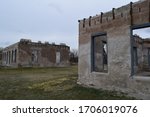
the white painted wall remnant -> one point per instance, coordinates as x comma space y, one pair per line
57, 57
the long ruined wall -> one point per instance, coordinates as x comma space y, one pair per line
29, 54
46, 54
117, 25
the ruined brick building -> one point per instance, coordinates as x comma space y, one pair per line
110, 55
31, 54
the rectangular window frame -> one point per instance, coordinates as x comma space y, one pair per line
134, 27
93, 54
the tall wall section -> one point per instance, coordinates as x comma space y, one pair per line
117, 26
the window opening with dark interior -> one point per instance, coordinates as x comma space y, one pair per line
99, 54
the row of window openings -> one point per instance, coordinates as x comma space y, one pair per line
100, 54
10, 56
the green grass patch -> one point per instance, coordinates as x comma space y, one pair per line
49, 84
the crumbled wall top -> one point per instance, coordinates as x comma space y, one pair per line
131, 14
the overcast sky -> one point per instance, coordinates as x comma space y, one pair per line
144, 32
48, 20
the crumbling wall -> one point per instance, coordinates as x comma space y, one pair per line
32, 54
117, 26
42, 54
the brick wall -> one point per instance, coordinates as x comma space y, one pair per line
32, 54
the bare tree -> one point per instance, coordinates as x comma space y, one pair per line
1, 48
74, 56
1, 55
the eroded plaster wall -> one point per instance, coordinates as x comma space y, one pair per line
117, 25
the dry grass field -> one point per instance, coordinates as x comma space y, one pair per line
48, 84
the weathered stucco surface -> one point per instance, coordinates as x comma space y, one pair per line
117, 25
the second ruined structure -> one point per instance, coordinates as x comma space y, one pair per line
35, 54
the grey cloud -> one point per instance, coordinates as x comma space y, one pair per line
48, 20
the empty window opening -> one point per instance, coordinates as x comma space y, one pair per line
34, 56
12, 56
107, 19
15, 56
139, 9
57, 57
141, 51
99, 53
9, 57
4, 56
121, 14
